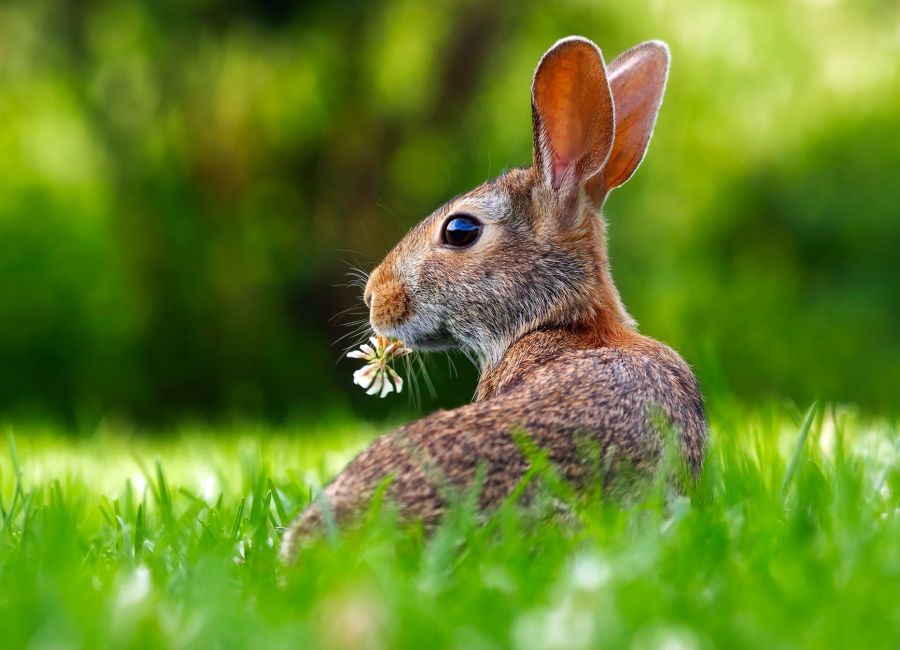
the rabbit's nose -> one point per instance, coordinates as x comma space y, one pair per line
368, 294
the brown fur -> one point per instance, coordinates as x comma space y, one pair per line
393, 304
534, 302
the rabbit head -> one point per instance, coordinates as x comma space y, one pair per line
527, 250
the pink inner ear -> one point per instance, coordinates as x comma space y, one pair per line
571, 100
560, 167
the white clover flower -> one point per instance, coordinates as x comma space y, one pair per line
377, 376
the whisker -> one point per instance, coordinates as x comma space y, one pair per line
352, 265
415, 394
471, 357
353, 284
392, 212
426, 377
359, 277
355, 310
353, 333
354, 329
356, 322
355, 268
451, 365
356, 343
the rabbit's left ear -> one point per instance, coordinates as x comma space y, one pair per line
572, 114
637, 79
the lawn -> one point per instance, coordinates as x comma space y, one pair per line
118, 539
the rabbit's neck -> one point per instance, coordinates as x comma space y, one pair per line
545, 346
609, 312
604, 323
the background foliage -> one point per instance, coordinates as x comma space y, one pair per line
179, 182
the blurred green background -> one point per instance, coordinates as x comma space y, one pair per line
183, 182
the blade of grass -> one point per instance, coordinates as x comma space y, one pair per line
18, 494
236, 524
139, 532
279, 504
798, 448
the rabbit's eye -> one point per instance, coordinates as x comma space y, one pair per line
461, 231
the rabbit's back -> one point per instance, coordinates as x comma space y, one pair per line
590, 410
611, 401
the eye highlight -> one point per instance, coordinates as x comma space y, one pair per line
461, 231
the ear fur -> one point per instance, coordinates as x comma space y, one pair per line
572, 114
637, 79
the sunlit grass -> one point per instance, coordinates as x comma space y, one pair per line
790, 539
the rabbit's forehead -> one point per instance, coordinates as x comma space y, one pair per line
504, 198
492, 204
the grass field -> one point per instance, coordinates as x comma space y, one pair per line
791, 539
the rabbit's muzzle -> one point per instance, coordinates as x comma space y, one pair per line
388, 300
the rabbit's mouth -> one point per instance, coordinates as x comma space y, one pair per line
421, 338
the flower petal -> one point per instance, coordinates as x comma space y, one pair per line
398, 380
364, 376
387, 388
357, 354
376, 384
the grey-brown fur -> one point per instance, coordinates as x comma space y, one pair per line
534, 302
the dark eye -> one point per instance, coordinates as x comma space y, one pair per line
461, 231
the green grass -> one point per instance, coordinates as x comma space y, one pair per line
792, 538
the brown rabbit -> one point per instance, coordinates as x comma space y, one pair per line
516, 273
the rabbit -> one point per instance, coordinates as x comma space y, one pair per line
516, 273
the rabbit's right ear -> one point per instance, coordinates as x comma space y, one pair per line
572, 115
